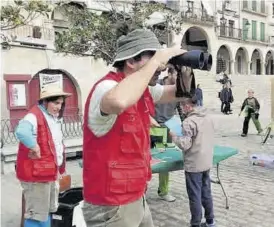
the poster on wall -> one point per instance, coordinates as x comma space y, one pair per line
17, 95
50, 79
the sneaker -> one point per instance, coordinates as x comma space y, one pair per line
259, 133
167, 197
208, 225
243, 135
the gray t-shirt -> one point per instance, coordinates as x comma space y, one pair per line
164, 111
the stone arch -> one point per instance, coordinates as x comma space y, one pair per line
241, 61
196, 38
256, 62
73, 103
269, 62
224, 59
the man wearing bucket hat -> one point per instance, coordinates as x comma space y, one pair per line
116, 146
40, 158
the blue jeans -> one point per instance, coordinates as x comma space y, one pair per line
198, 187
199, 102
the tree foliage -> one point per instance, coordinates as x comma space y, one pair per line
19, 13
96, 33
22, 12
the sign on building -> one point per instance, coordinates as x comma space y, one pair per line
50, 79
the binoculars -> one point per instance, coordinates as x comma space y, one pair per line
195, 59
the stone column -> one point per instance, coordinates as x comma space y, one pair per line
232, 66
248, 68
263, 65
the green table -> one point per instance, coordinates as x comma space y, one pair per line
171, 159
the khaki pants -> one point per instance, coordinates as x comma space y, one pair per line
40, 199
135, 214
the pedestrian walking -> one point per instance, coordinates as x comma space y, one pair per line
199, 95
251, 107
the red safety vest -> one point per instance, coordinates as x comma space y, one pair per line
44, 169
116, 166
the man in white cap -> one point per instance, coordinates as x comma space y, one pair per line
116, 146
40, 158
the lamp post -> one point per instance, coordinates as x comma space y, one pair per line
223, 20
247, 25
223, 26
245, 29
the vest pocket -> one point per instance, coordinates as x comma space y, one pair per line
131, 140
43, 168
127, 177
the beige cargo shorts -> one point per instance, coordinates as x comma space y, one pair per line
40, 199
135, 214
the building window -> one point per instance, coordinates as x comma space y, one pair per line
262, 36
262, 6
254, 5
190, 5
223, 27
245, 4
254, 30
231, 28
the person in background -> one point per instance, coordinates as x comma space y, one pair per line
226, 98
226, 80
251, 106
164, 112
197, 144
199, 95
116, 132
231, 99
41, 156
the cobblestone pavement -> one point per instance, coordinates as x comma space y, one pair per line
250, 188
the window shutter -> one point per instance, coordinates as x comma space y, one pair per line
262, 31
254, 30
245, 31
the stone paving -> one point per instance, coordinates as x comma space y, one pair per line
250, 188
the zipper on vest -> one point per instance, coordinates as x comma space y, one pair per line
116, 164
54, 155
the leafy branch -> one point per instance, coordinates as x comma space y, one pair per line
96, 33
22, 13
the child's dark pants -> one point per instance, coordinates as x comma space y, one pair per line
198, 187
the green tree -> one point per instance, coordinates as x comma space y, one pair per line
22, 12
19, 13
96, 33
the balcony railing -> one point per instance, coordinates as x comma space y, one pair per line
229, 32
72, 127
29, 31
196, 15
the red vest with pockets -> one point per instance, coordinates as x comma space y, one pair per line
116, 166
44, 169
